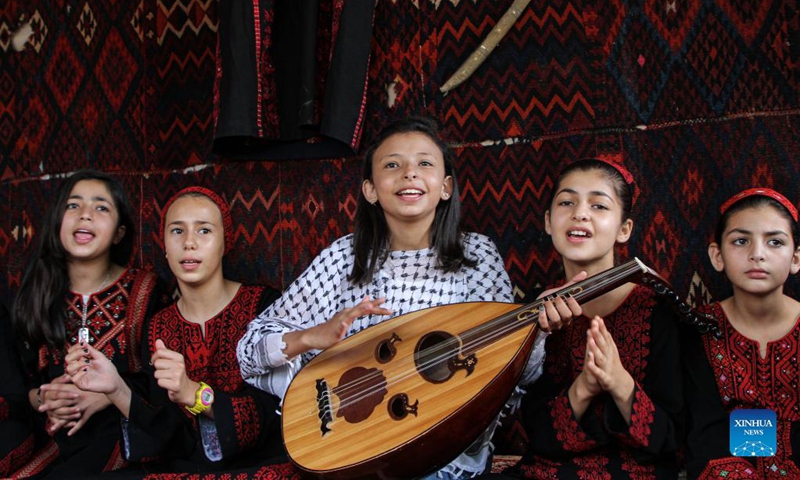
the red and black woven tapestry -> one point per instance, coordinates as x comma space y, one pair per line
698, 98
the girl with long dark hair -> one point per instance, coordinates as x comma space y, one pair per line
78, 287
407, 253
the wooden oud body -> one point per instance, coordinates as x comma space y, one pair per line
366, 407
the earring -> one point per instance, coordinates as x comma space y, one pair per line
373, 200
445, 196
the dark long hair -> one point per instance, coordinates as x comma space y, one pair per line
39, 314
371, 237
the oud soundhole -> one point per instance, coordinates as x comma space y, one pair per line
432, 356
399, 407
360, 390
386, 350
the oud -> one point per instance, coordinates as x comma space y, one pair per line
408, 395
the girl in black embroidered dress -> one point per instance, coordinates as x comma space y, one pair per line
77, 285
609, 398
754, 363
198, 413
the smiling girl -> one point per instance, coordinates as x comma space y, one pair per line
78, 287
753, 364
407, 253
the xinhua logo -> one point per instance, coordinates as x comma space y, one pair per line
753, 433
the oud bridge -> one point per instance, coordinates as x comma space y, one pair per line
324, 411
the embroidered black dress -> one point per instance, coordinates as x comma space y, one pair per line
245, 429
602, 445
115, 317
727, 373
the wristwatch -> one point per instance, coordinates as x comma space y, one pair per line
203, 398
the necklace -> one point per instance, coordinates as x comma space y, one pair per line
83, 332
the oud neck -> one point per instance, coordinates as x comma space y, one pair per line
604, 282
593, 286
632, 271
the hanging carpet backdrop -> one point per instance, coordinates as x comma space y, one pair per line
699, 99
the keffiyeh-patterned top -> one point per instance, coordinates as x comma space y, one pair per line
408, 280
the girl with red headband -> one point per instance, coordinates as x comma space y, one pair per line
609, 400
198, 414
753, 362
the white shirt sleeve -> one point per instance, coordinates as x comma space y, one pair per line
534, 367
310, 300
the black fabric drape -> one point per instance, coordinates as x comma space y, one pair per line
291, 78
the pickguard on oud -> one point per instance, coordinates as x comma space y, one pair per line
357, 404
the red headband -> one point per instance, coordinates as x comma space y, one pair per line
219, 201
626, 175
761, 192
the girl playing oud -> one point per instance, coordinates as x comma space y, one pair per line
407, 253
